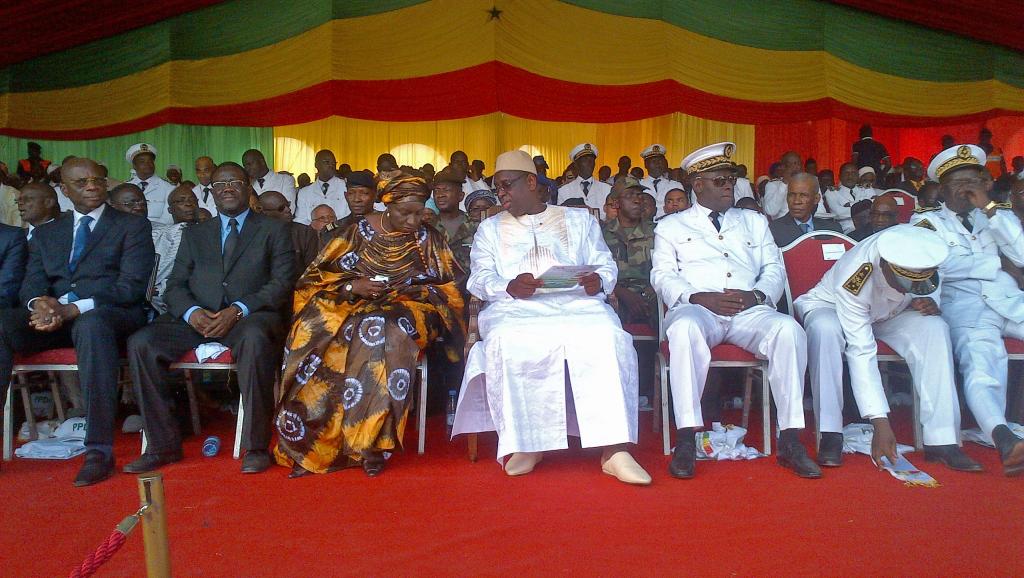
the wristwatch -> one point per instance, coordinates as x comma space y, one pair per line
759, 297
349, 296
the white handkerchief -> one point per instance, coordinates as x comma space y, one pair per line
209, 351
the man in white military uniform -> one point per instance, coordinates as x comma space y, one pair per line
552, 362
720, 273
328, 189
841, 199
981, 299
142, 158
883, 288
658, 181
203, 190
585, 186
263, 179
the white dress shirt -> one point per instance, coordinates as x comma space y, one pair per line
204, 194
279, 182
313, 195
659, 187
840, 200
594, 198
156, 191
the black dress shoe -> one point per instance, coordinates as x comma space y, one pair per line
97, 467
255, 461
794, 456
952, 457
1012, 456
830, 449
149, 462
373, 463
684, 457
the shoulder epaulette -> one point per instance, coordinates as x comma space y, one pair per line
925, 223
856, 281
926, 209
1004, 206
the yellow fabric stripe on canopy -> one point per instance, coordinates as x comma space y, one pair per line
358, 142
551, 39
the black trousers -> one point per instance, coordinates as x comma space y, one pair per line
97, 337
256, 343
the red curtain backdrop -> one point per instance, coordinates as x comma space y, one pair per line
829, 141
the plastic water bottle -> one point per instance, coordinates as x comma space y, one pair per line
211, 446
450, 411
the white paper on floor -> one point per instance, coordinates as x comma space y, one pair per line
905, 472
981, 438
857, 439
724, 442
69, 441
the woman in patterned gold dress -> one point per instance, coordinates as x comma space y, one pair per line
351, 355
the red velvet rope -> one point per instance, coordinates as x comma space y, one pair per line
103, 553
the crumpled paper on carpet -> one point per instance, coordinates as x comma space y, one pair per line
905, 472
209, 351
724, 442
981, 438
857, 439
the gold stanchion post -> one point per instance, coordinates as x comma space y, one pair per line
154, 525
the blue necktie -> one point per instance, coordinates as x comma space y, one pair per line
81, 238
806, 227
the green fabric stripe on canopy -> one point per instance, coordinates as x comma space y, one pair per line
176, 144
867, 40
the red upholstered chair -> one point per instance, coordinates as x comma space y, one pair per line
724, 355
226, 362
905, 204
51, 360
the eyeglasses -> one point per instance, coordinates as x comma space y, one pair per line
80, 183
506, 185
957, 184
221, 185
132, 204
719, 181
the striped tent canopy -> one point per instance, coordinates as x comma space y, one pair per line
86, 70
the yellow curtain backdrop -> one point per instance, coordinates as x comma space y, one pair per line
358, 142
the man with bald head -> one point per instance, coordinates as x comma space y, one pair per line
328, 189
304, 239
203, 190
884, 214
85, 287
802, 198
37, 205
184, 209
263, 179
128, 198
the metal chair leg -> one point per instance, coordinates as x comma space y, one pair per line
26, 400
237, 452
58, 401
766, 410
421, 411
9, 424
656, 403
918, 428
193, 404
665, 433
748, 389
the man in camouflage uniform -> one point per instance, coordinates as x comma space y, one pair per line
630, 238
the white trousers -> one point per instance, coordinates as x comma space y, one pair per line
922, 340
692, 332
983, 363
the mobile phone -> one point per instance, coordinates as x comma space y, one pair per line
379, 278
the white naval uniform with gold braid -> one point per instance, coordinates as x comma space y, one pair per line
847, 310
689, 257
594, 197
981, 302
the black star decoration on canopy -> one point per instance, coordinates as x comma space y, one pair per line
495, 13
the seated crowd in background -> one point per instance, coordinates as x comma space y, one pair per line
355, 274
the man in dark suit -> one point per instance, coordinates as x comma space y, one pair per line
13, 255
304, 238
913, 176
802, 198
85, 286
231, 283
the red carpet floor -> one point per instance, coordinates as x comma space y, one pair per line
439, 514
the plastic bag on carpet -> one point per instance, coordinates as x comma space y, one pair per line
68, 443
724, 442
